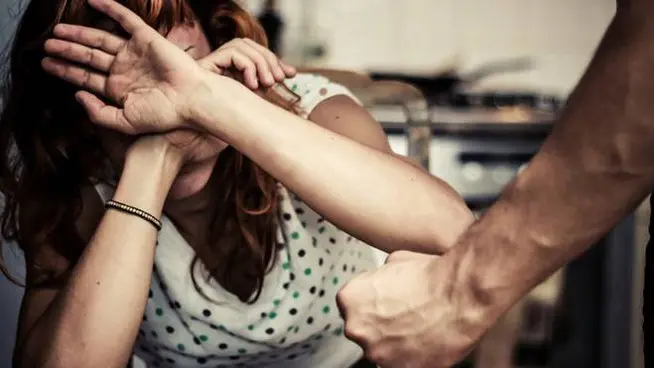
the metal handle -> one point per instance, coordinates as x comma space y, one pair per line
416, 108
418, 131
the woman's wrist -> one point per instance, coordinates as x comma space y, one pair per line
159, 154
208, 110
148, 173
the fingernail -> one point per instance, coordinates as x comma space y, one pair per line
50, 45
288, 67
46, 64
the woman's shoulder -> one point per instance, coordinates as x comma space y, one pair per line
313, 89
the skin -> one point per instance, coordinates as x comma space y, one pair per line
147, 72
422, 311
190, 184
596, 167
151, 170
89, 317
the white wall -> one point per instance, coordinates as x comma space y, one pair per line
422, 35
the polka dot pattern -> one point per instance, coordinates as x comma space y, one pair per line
295, 318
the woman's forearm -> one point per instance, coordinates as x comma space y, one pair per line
374, 196
94, 319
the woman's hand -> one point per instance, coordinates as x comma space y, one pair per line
247, 61
149, 78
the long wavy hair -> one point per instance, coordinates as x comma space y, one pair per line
51, 151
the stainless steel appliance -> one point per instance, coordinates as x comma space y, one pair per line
477, 151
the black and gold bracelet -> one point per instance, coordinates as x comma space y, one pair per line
122, 207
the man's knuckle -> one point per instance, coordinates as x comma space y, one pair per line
344, 295
377, 355
354, 332
341, 301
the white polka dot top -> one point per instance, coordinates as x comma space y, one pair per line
295, 321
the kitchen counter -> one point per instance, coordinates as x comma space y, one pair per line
468, 121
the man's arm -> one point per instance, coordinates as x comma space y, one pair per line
595, 168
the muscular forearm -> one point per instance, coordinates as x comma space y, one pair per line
378, 198
94, 319
596, 167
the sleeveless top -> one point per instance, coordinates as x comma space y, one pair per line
294, 323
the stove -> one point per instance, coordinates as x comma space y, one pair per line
476, 150
499, 99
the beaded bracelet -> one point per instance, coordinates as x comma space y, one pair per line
122, 207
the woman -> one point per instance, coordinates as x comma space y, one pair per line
245, 273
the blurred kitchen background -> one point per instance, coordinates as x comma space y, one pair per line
470, 89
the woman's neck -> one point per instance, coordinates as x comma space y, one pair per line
191, 214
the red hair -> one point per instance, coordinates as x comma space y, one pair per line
51, 151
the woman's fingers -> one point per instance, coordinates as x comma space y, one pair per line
271, 59
247, 66
125, 17
267, 67
78, 76
223, 60
102, 114
79, 54
91, 37
279, 68
263, 69
283, 70
289, 70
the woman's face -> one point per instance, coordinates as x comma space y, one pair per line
194, 176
